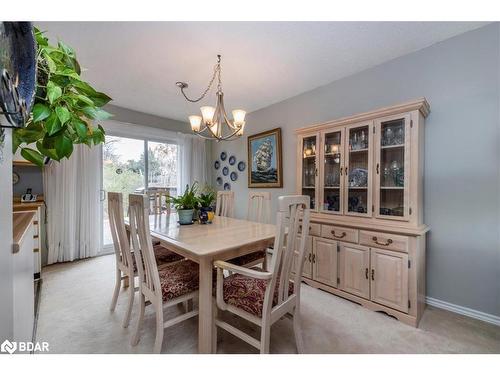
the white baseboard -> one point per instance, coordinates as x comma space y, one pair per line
489, 318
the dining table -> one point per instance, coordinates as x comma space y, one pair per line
222, 239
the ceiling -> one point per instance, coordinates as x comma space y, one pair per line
138, 63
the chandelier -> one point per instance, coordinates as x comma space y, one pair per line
213, 122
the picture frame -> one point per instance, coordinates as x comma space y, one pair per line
265, 169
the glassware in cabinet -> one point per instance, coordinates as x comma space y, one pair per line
309, 168
392, 167
332, 172
358, 169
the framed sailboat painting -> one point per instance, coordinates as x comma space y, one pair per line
264, 159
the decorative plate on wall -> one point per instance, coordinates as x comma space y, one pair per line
232, 160
217, 164
219, 181
233, 176
241, 166
223, 155
227, 186
225, 171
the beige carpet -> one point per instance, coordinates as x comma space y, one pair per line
74, 317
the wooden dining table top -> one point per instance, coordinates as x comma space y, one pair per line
222, 235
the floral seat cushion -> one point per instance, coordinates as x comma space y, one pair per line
247, 293
248, 258
178, 279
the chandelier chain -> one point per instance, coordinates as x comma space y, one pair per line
219, 85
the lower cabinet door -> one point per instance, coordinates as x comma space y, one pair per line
307, 267
354, 264
325, 261
389, 279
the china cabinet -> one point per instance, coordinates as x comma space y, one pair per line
367, 237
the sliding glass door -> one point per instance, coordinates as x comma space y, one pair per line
127, 168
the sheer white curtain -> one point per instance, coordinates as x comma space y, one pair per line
71, 191
193, 161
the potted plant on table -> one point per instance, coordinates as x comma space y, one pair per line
185, 204
206, 200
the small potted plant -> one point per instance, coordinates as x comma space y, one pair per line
206, 200
185, 204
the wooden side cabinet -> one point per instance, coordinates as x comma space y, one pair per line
364, 174
389, 279
354, 268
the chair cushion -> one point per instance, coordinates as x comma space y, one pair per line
162, 256
247, 293
178, 279
248, 258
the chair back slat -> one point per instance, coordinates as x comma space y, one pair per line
224, 205
118, 232
293, 211
259, 207
158, 201
142, 244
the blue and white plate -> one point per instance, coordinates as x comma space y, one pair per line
233, 176
225, 171
217, 164
219, 181
241, 166
223, 155
227, 186
232, 160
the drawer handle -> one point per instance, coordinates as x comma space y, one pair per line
337, 236
366, 273
373, 274
309, 258
389, 241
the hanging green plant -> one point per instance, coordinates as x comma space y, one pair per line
66, 108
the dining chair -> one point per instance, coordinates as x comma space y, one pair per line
224, 205
157, 197
126, 267
263, 297
259, 210
164, 285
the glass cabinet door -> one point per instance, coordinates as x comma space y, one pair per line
392, 167
357, 170
331, 178
309, 168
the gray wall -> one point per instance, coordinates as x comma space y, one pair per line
6, 276
141, 118
29, 177
460, 79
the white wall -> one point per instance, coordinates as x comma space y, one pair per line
6, 276
460, 79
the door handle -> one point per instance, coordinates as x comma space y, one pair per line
102, 192
373, 274
366, 273
378, 168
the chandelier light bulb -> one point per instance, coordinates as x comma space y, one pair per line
195, 122
239, 117
208, 114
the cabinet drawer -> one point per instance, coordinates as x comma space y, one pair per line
314, 229
339, 233
384, 241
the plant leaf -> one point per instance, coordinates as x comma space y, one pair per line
81, 128
64, 146
96, 113
53, 91
40, 112
32, 155
63, 114
100, 99
52, 124
85, 99
50, 152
